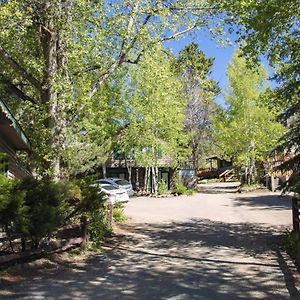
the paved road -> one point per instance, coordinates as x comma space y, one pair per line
213, 245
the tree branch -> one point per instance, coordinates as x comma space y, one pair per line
15, 66
124, 51
179, 33
136, 60
17, 91
121, 59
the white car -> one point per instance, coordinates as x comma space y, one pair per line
117, 182
114, 194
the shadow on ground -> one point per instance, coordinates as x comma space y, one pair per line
276, 202
199, 259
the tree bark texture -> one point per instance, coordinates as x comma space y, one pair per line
52, 97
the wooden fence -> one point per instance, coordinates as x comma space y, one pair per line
69, 236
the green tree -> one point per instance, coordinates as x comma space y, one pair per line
246, 130
193, 69
155, 114
272, 28
57, 55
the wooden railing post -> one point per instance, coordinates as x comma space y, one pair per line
84, 232
295, 213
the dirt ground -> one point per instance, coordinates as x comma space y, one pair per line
216, 244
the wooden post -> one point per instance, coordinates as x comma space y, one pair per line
84, 232
295, 213
110, 214
137, 182
104, 170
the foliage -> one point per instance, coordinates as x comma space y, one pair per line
57, 56
86, 200
179, 187
189, 192
118, 213
33, 209
98, 228
45, 202
13, 210
153, 125
162, 187
292, 245
272, 29
155, 111
193, 69
246, 131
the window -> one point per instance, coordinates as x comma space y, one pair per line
3, 163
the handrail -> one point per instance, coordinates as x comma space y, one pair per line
227, 171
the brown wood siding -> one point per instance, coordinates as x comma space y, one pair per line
14, 167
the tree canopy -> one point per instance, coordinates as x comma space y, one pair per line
193, 69
272, 29
57, 55
246, 131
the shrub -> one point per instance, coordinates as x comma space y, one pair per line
83, 199
179, 187
189, 192
13, 211
118, 213
292, 244
98, 228
33, 209
45, 202
162, 187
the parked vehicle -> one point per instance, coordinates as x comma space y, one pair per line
117, 182
113, 193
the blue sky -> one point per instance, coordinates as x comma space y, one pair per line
212, 48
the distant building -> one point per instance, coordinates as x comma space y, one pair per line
118, 166
216, 168
12, 139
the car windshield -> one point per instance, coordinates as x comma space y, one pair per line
108, 187
122, 182
103, 181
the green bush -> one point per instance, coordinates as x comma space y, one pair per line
86, 200
45, 202
118, 213
189, 192
179, 187
98, 228
292, 244
162, 187
14, 219
33, 209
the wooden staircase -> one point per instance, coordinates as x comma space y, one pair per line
227, 174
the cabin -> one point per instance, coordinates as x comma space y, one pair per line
12, 140
118, 166
216, 168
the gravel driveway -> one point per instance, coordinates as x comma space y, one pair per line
216, 244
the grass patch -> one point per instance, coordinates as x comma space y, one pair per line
245, 188
189, 192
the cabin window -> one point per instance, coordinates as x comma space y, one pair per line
3, 163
